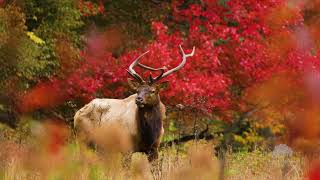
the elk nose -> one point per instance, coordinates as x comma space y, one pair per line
139, 100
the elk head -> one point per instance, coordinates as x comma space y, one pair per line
148, 91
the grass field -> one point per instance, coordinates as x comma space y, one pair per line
193, 160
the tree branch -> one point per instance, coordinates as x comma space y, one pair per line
202, 135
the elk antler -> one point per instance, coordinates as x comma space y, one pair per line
151, 79
132, 72
184, 60
162, 74
135, 75
151, 68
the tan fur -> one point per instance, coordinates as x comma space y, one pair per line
122, 112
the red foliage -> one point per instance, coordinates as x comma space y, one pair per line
232, 50
2, 2
88, 8
57, 134
239, 45
44, 95
314, 172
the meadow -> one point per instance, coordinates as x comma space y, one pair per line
197, 162
56, 156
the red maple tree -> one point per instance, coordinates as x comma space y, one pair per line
239, 45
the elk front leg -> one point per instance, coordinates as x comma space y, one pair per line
153, 154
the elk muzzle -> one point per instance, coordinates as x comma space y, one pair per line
140, 102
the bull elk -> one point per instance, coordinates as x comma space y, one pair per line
141, 114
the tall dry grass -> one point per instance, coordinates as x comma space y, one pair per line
53, 154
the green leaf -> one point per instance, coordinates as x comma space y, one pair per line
172, 127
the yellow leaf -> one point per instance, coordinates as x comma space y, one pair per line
35, 38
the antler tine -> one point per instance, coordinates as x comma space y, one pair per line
135, 76
184, 60
132, 72
151, 68
151, 79
187, 55
158, 77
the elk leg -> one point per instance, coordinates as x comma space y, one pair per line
153, 154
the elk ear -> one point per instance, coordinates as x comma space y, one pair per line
162, 85
133, 84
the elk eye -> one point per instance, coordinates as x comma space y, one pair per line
153, 91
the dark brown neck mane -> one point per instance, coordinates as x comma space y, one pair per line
149, 126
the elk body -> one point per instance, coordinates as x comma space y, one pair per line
139, 115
